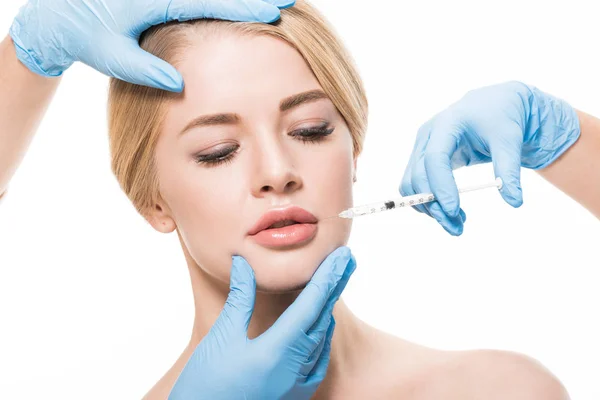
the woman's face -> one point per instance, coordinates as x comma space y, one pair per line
245, 139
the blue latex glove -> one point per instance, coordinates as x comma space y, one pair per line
510, 124
288, 361
50, 35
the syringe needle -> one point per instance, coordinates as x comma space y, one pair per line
333, 216
408, 201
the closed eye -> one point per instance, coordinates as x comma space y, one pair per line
226, 154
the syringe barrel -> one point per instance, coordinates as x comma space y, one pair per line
407, 201
414, 200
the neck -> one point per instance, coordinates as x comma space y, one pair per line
210, 296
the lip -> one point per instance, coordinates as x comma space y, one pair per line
303, 231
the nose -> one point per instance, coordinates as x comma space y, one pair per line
275, 171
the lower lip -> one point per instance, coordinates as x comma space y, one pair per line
286, 236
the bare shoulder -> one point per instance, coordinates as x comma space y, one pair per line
513, 374
490, 375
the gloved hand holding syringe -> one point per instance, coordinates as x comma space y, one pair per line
407, 201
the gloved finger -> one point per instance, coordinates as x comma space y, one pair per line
418, 178
141, 68
452, 225
313, 356
311, 342
301, 315
318, 372
506, 158
442, 145
319, 328
281, 4
463, 216
232, 10
235, 316
406, 187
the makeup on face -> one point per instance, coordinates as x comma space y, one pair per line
224, 154
260, 142
310, 130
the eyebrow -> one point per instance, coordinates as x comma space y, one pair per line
211, 120
298, 99
232, 119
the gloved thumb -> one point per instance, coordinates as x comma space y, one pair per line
232, 10
506, 158
239, 306
132, 64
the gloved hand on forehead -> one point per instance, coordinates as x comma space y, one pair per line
50, 35
512, 125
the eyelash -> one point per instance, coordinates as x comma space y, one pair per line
308, 135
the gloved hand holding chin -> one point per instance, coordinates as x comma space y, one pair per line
288, 361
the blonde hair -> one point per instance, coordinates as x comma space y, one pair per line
135, 113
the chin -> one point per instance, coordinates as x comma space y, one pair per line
287, 270
275, 287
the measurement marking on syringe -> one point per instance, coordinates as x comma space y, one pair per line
407, 201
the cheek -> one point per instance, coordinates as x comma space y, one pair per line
202, 206
330, 172
334, 191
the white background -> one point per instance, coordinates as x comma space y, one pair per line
94, 304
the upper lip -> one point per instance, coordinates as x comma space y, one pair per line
293, 213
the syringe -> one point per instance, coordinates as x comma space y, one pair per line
407, 201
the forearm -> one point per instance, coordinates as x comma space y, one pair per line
577, 171
24, 98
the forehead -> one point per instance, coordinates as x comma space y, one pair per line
229, 71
